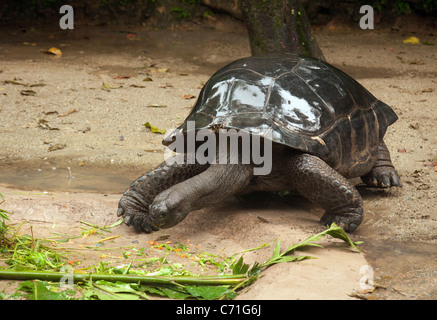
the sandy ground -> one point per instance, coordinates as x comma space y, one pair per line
89, 117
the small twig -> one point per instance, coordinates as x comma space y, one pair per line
109, 238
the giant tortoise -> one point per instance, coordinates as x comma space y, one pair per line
325, 128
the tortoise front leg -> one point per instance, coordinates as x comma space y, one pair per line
135, 202
383, 173
210, 187
321, 184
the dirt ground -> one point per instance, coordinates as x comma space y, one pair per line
80, 137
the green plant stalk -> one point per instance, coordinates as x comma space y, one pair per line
146, 280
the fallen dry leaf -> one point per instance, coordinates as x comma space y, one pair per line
428, 90
154, 105
50, 112
107, 87
15, 82
28, 93
54, 51
414, 126
36, 85
189, 96
159, 70
154, 129
412, 40
30, 85
44, 124
68, 113
57, 146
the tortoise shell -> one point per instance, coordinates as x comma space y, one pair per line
308, 105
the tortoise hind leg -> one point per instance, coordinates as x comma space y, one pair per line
317, 181
135, 202
383, 173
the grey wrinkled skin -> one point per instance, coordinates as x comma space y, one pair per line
326, 128
163, 197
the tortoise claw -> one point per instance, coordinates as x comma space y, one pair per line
127, 220
348, 219
382, 177
141, 224
134, 214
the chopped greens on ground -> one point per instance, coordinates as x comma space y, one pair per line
49, 269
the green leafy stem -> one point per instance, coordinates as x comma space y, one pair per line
117, 286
